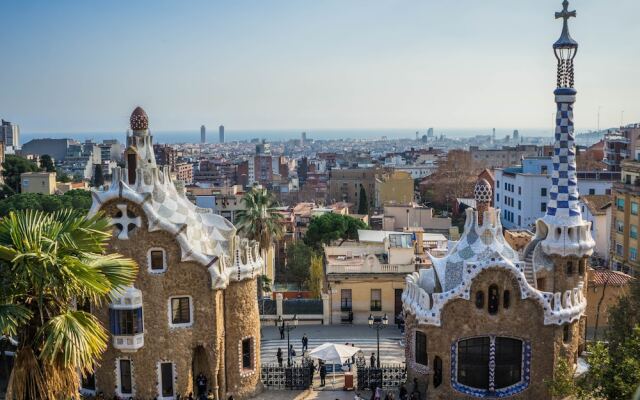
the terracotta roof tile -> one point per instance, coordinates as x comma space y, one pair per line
598, 277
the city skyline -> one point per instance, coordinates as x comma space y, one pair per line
283, 65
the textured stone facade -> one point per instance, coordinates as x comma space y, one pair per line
183, 253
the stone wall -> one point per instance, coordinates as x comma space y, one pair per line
242, 321
462, 319
162, 343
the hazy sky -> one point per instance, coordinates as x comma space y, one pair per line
76, 66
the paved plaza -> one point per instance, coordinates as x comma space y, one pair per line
391, 347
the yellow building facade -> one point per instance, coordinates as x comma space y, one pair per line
394, 188
626, 220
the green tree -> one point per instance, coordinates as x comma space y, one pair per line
47, 263
329, 227
260, 221
75, 199
12, 167
562, 385
62, 177
46, 163
363, 204
98, 177
316, 276
298, 263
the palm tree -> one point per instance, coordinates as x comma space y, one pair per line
260, 220
49, 263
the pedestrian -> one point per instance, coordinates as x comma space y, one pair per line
403, 392
201, 382
281, 332
389, 396
279, 356
373, 360
312, 369
305, 342
323, 373
292, 352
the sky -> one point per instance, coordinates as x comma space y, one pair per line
82, 66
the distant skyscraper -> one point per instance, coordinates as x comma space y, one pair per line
516, 135
430, 132
221, 133
303, 138
493, 136
417, 135
10, 134
203, 134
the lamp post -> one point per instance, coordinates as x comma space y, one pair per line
288, 326
378, 323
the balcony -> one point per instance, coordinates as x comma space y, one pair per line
375, 269
128, 343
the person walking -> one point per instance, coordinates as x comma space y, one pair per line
201, 383
305, 342
323, 374
279, 356
373, 360
281, 332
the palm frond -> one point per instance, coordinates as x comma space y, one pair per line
12, 316
72, 339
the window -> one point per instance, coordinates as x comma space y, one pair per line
581, 267
508, 362
480, 299
181, 311
620, 203
543, 192
519, 205
437, 371
421, 349
619, 226
543, 207
166, 379
400, 241
506, 299
494, 299
473, 362
498, 184
566, 333
540, 283
157, 260
633, 253
247, 353
633, 232
88, 383
634, 208
497, 197
543, 169
490, 368
345, 300
619, 249
125, 322
376, 299
519, 189
124, 373
569, 268
592, 191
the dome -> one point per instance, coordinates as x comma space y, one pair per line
139, 120
482, 192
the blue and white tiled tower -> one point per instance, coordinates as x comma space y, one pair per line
566, 232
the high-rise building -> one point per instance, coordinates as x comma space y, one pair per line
10, 134
484, 322
221, 133
303, 138
203, 134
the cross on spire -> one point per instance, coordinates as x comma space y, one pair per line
565, 13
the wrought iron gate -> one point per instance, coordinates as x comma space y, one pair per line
388, 376
276, 377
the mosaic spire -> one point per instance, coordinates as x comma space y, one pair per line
563, 207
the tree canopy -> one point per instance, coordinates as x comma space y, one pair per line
46, 163
299, 257
363, 204
12, 167
316, 276
328, 227
74, 199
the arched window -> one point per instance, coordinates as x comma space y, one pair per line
480, 299
437, 371
506, 299
489, 364
569, 268
494, 299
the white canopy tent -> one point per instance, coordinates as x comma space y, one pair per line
334, 354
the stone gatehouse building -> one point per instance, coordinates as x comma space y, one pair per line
192, 309
483, 323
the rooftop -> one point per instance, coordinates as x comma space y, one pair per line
597, 203
599, 277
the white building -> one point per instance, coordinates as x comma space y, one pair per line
597, 210
522, 192
10, 134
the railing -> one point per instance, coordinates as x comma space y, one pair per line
267, 307
377, 269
